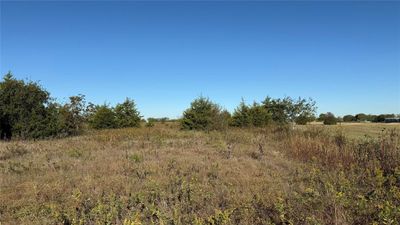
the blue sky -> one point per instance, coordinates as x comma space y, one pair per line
345, 55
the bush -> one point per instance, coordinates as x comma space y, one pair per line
150, 122
203, 114
303, 119
241, 116
255, 115
23, 108
259, 115
27, 111
288, 110
321, 117
361, 117
71, 115
349, 118
329, 119
127, 115
103, 117
106, 117
381, 118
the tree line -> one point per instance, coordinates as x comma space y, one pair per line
203, 114
27, 111
329, 118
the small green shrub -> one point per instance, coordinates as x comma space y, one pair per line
330, 119
254, 115
103, 117
75, 153
287, 109
150, 122
136, 158
303, 119
203, 114
106, 117
127, 115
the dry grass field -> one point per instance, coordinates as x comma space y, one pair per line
359, 130
162, 175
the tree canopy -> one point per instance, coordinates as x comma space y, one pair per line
28, 111
203, 114
288, 110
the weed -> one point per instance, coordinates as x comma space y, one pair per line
13, 151
136, 158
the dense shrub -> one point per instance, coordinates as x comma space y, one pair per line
203, 114
259, 115
349, 118
103, 117
72, 115
150, 123
106, 117
321, 117
27, 111
362, 117
330, 119
288, 110
381, 118
127, 115
304, 119
360, 177
254, 115
241, 116
23, 108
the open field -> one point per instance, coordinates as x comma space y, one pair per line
161, 175
358, 130
216, 112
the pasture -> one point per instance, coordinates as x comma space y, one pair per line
359, 130
163, 175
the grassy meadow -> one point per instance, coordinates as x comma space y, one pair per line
314, 174
357, 129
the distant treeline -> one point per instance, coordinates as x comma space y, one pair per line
27, 111
360, 117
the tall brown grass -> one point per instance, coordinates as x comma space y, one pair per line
163, 175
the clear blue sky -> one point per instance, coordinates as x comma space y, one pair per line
344, 55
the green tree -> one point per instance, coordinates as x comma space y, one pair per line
259, 115
381, 118
241, 117
278, 109
321, 117
330, 119
288, 110
23, 109
349, 118
255, 115
127, 115
150, 122
104, 117
72, 115
361, 117
203, 114
304, 119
